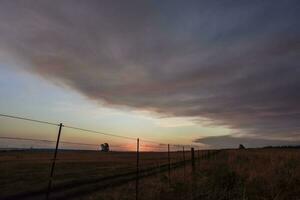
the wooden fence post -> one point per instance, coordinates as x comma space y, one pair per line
53, 162
193, 172
198, 158
169, 164
193, 158
183, 154
137, 168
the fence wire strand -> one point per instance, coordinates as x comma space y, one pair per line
28, 119
91, 131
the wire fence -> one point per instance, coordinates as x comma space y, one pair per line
65, 158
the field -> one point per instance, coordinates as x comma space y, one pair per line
227, 174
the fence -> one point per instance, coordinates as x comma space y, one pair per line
25, 161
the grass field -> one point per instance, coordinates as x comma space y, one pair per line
230, 174
29, 170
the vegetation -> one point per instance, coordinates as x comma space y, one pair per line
251, 174
231, 174
104, 147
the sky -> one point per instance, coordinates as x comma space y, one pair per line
211, 73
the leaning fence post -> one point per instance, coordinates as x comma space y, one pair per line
53, 161
137, 168
169, 164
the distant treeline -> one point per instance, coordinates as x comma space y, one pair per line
283, 147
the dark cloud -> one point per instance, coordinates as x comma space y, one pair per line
233, 142
235, 62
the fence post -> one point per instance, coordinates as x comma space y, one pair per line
193, 172
137, 168
183, 153
169, 164
193, 158
198, 156
53, 161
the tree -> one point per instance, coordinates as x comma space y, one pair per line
241, 146
105, 147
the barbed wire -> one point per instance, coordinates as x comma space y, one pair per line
62, 142
88, 130
50, 141
26, 139
98, 132
28, 119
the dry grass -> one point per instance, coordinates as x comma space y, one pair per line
262, 174
29, 170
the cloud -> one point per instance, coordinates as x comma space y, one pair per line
172, 122
235, 63
228, 141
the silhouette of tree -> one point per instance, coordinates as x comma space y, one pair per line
105, 147
241, 146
